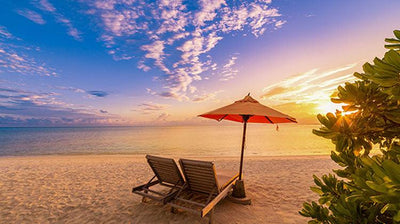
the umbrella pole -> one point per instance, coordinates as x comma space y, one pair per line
245, 118
239, 193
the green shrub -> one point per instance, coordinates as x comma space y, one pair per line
367, 187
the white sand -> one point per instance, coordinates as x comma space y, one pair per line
97, 189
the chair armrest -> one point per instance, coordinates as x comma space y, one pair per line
215, 201
138, 188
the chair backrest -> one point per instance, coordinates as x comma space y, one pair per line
166, 170
200, 175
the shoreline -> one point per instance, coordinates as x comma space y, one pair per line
138, 156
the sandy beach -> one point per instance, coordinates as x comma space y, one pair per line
97, 189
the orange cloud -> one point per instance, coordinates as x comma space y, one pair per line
307, 94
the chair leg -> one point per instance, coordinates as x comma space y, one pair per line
211, 219
174, 210
144, 198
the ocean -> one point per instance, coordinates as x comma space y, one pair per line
218, 140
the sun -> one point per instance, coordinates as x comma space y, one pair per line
328, 106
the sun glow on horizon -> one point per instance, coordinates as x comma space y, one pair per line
328, 106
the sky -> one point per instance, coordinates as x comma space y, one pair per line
136, 62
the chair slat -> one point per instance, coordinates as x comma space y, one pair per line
194, 182
166, 170
200, 175
168, 175
201, 179
199, 169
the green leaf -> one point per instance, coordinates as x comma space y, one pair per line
385, 66
393, 58
380, 188
392, 170
317, 181
397, 217
368, 68
341, 144
392, 40
323, 120
316, 190
397, 33
393, 116
392, 46
324, 200
325, 134
360, 76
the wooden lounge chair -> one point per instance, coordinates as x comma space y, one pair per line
166, 174
204, 188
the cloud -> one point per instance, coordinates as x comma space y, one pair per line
5, 34
176, 37
12, 121
143, 67
105, 4
254, 15
155, 51
150, 91
26, 108
103, 111
14, 57
228, 71
205, 97
9, 121
10, 90
171, 95
162, 117
151, 107
70, 88
98, 93
208, 11
276, 91
279, 23
310, 88
305, 95
32, 15
46, 6
304, 113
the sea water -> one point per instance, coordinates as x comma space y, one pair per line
217, 140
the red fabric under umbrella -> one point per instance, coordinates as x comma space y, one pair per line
248, 110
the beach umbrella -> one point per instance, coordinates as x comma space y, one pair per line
247, 110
